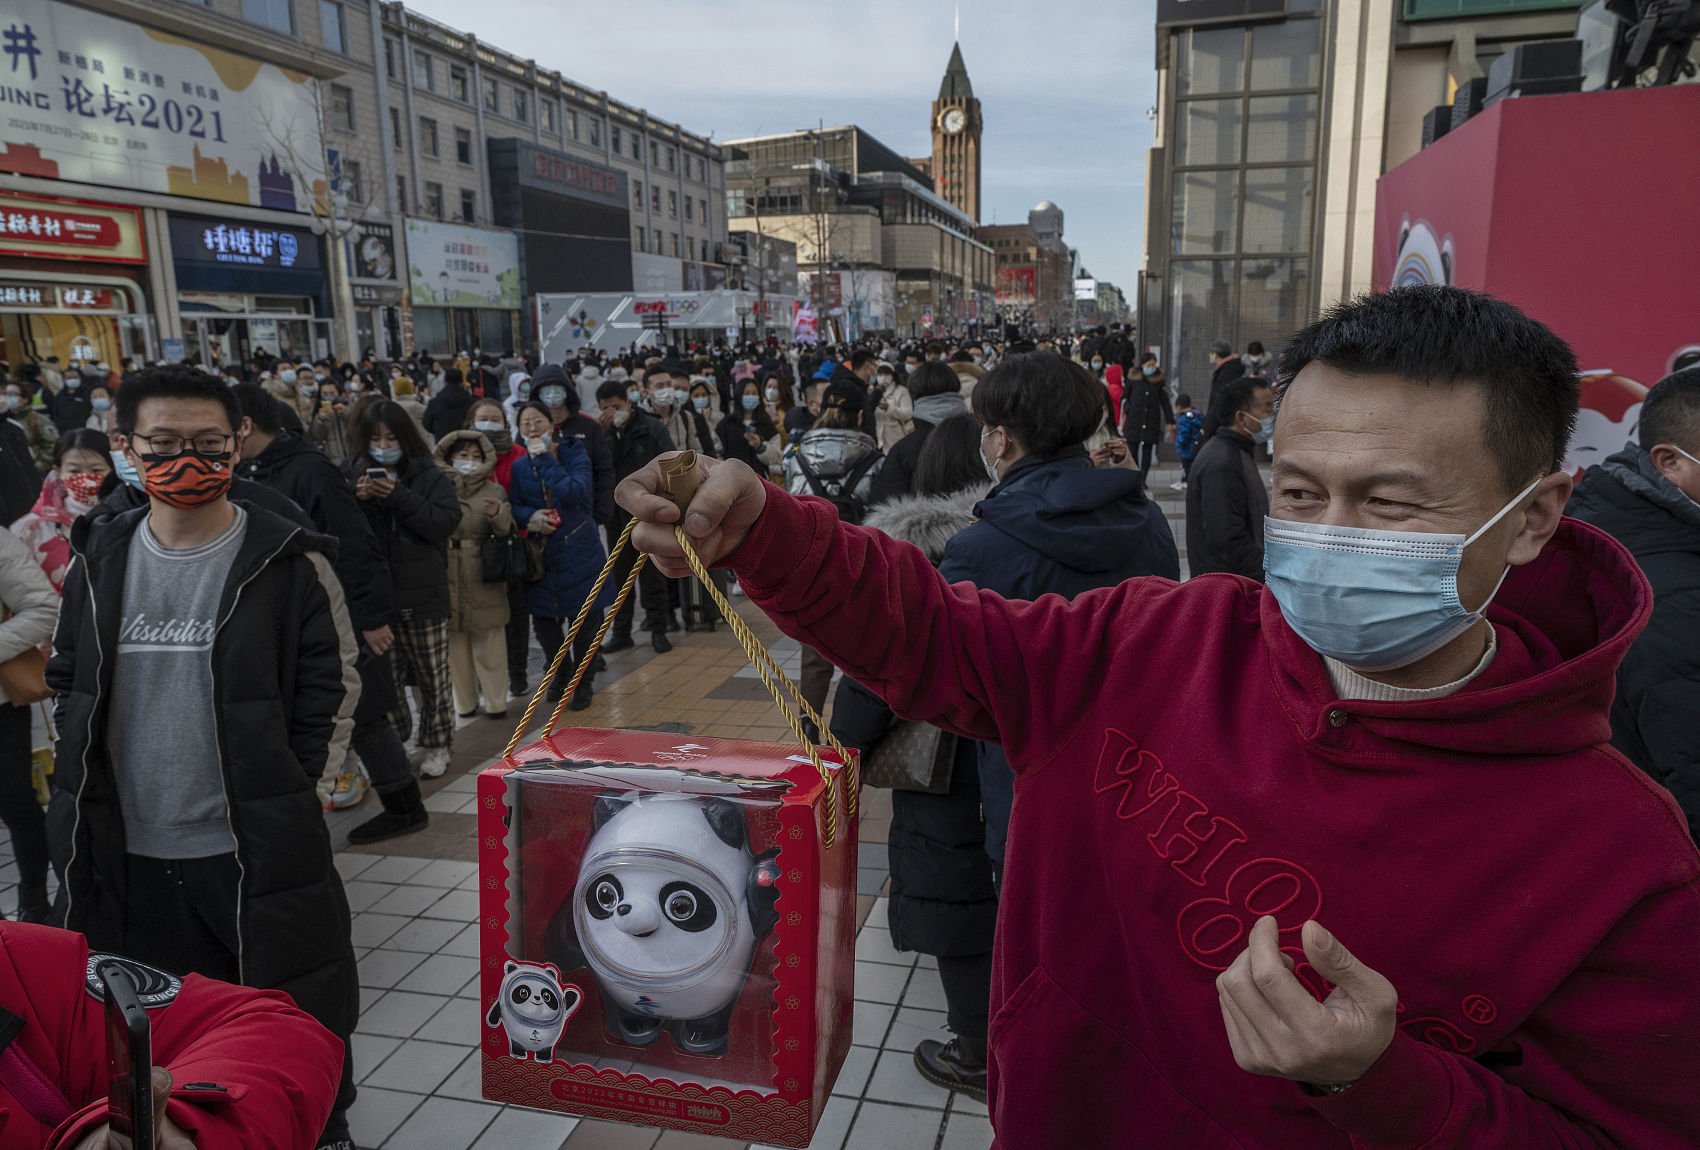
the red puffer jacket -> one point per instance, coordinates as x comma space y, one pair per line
1183, 766
249, 1071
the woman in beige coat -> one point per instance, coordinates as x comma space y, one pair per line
478, 645
31, 607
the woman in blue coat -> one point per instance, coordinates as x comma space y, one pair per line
552, 495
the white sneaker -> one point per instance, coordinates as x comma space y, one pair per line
350, 788
1177, 485
436, 762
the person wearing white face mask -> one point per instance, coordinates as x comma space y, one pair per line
894, 410
39, 431
478, 610
1647, 497
1226, 501
636, 438
1395, 888
668, 390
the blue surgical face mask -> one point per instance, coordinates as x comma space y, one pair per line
126, 470
700, 402
751, 402
553, 396
1265, 429
388, 456
1373, 600
100, 404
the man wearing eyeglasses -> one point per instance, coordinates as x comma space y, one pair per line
205, 665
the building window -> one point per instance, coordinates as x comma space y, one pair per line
705, 218
390, 50
330, 26
614, 138
492, 96
463, 146
1211, 61
672, 205
401, 192
688, 209
395, 127
702, 170
520, 106
423, 74
637, 195
468, 206
434, 200
655, 202
674, 238
572, 123
658, 248
457, 82
596, 133
637, 147
546, 112
428, 142
641, 243
274, 14
352, 185
1286, 55
672, 159
654, 154
342, 108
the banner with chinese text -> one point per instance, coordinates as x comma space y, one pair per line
454, 266
99, 100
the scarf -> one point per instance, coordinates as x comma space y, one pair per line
935, 409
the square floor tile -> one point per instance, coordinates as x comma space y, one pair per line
966, 1132
444, 873
870, 880
445, 802
348, 865
369, 1051
461, 905
443, 1124
458, 1022
376, 1113
962, 1104
591, 1134
873, 944
465, 943
873, 854
688, 1140
440, 974
372, 929
925, 991
880, 915
466, 1081
516, 1129
362, 894
911, 1026
424, 935
853, 1076
417, 1067
879, 1126
398, 1014
895, 1079
407, 900
382, 969
393, 868
868, 1023
877, 982
465, 784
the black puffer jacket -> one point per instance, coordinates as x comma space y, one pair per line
1225, 505
412, 525
303, 474
1145, 402
285, 688
1654, 716
943, 902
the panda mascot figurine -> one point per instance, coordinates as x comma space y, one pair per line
533, 1007
668, 910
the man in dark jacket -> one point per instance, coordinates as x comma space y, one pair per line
284, 462
205, 667
20, 482
1225, 367
1647, 497
937, 394
1225, 497
851, 380
637, 437
447, 410
67, 405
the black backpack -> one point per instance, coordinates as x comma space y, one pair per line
841, 492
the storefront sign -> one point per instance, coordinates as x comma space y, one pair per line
205, 240
100, 100
454, 266
53, 228
569, 175
374, 252
53, 297
369, 296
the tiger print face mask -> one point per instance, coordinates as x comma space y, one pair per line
186, 480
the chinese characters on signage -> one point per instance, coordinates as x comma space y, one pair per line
70, 229
561, 170
207, 242
118, 104
454, 266
241, 245
47, 297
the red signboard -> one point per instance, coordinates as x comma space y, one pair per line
656, 307
1592, 238
57, 228
1017, 285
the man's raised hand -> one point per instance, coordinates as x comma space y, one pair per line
721, 514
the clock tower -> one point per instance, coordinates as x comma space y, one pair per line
956, 139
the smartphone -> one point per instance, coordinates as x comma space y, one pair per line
129, 1062
377, 473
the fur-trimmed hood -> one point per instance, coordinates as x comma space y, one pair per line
927, 521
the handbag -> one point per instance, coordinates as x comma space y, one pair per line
912, 756
24, 675
495, 559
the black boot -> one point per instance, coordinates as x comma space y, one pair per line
659, 641
672, 622
582, 697
952, 1066
619, 639
32, 903
404, 812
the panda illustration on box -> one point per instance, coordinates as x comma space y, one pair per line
533, 1006
668, 910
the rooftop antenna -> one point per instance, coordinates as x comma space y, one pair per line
958, 35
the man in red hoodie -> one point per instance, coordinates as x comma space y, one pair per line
1385, 770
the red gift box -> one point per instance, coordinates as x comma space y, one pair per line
666, 937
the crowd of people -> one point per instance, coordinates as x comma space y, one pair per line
266, 589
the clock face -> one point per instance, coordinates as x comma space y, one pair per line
953, 121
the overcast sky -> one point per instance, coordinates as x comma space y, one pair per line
1063, 84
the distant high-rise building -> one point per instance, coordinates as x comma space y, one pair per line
955, 167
